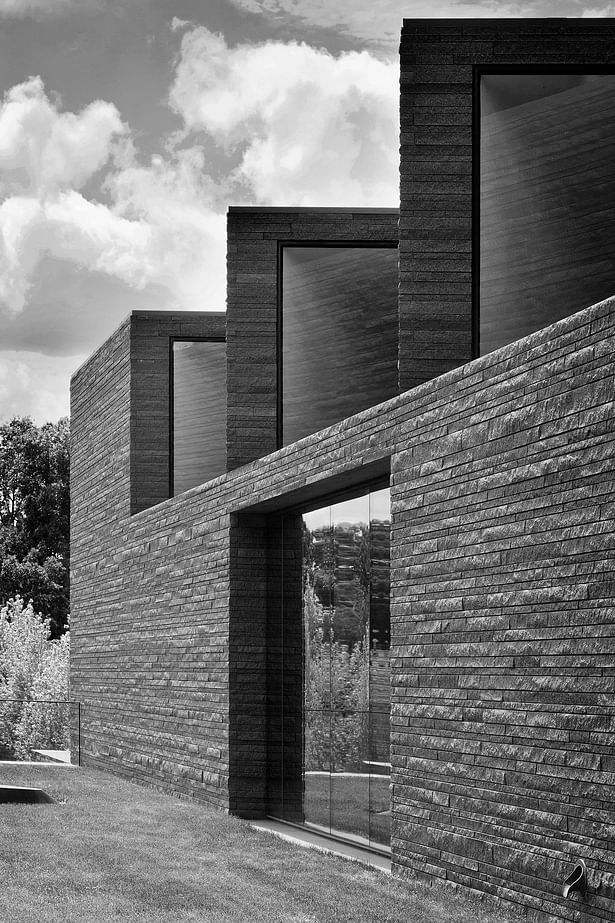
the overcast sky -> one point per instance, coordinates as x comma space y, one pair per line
128, 126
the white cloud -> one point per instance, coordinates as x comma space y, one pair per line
380, 24
21, 8
160, 227
68, 227
180, 204
310, 128
35, 385
178, 25
298, 125
43, 150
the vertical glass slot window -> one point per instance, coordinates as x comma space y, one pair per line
547, 199
199, 412
339, 334
329, 614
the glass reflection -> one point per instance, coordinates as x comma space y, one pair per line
547, 200
199, 412
346, 689
339, 334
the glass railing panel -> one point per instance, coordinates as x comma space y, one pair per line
317, 769
380, 777
349, 779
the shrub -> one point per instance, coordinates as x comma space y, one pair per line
32, 666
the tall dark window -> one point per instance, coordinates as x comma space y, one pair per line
339, 334
199, 412
329, 689
547, 199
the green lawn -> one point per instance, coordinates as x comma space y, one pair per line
110, 850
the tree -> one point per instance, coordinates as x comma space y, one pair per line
33, 682
34, 516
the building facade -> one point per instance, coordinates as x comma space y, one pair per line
344, 555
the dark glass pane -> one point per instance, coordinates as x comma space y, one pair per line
350, 523
275, 665
339, 333
318, 601
349, 778
380, 568
317, 768
350, 669
547, 200
328, 687
380, 668
199, 412
292, 643
380, 778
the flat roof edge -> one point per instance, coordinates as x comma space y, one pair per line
513, 20
177, 312
306, 209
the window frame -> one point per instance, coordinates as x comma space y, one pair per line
313, 243
478, 71
172, 341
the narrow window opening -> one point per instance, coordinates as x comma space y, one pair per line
198, 407
329, 669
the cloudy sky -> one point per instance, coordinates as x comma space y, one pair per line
128, 126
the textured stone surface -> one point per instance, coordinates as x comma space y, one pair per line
503, 625
503, 610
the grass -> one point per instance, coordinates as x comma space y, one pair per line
109, 850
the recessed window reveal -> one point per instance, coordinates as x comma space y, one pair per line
547, 199
339, 334
199, 412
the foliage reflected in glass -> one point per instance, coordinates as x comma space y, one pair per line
346, 686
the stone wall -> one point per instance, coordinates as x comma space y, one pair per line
141, 625
502, 610
503, 622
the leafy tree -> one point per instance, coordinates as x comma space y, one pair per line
34, 516
33, 667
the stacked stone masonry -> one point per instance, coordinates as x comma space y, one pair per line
502, 610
